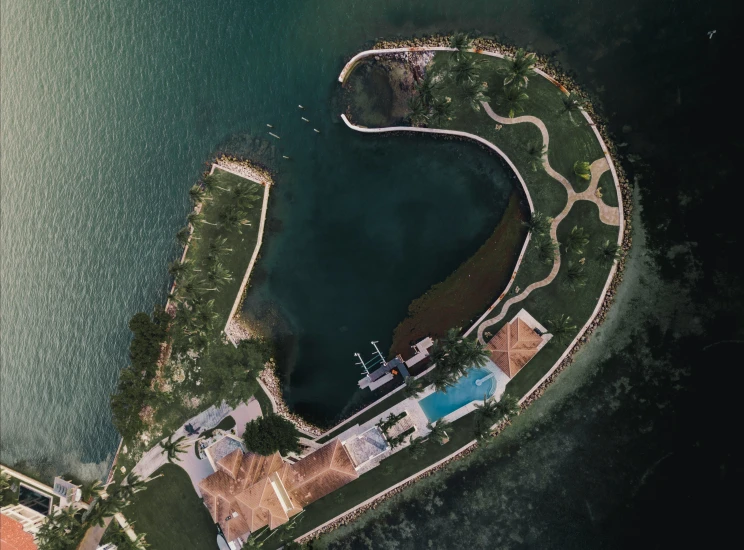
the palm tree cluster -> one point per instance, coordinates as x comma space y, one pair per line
66, 529
517, 73
575, 242
464, 70
195, 286
438, 431
519, 69
539, 226
454, 356
427, 106
491, 411
173, 448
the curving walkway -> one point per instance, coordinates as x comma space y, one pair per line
607, 214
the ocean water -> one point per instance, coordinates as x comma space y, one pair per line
109, 111
110, 108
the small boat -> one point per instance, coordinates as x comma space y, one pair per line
316, 130
285, 157
303, 118
273, 134
269, 125
300, 106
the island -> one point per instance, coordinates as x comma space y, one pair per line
209, 449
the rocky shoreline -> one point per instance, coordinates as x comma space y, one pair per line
565, 82
273, 385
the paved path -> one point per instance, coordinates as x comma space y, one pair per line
607, 214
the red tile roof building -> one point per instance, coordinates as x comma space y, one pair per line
249, 491
13, 537
513, 346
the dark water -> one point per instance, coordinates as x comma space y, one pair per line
354, 241
109, 109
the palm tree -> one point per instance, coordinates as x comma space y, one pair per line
438, 431
507, 406
488, 411
188, 289
454, 356
416, 447
536, 153
465, 69
426, 88
444, 380
546, 249
195, 220
61, 531
413, 387
197, 194
561, 328
538, 224
210, 182
576, 240
218, 275
183, 236
215, 249
134, 483
462, 43
178, 268
244, 194
230, 217
582, 169
4, 483
173, 448
520, 68
609, 252
418, 113
481, 429
91, 490
512, 99
473, 94
575, 276
572, 103
204, 317
441, 110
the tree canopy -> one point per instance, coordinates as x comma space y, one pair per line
230, 372
133, 389
271, 433
454, 356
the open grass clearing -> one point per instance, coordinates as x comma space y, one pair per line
171, 514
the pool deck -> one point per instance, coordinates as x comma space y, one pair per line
417, 416
501, 381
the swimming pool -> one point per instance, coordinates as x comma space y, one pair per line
440, 404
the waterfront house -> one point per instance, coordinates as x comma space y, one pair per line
250, 491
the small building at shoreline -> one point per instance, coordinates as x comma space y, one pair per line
517, 343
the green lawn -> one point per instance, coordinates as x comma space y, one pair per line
242, 242
171, 514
